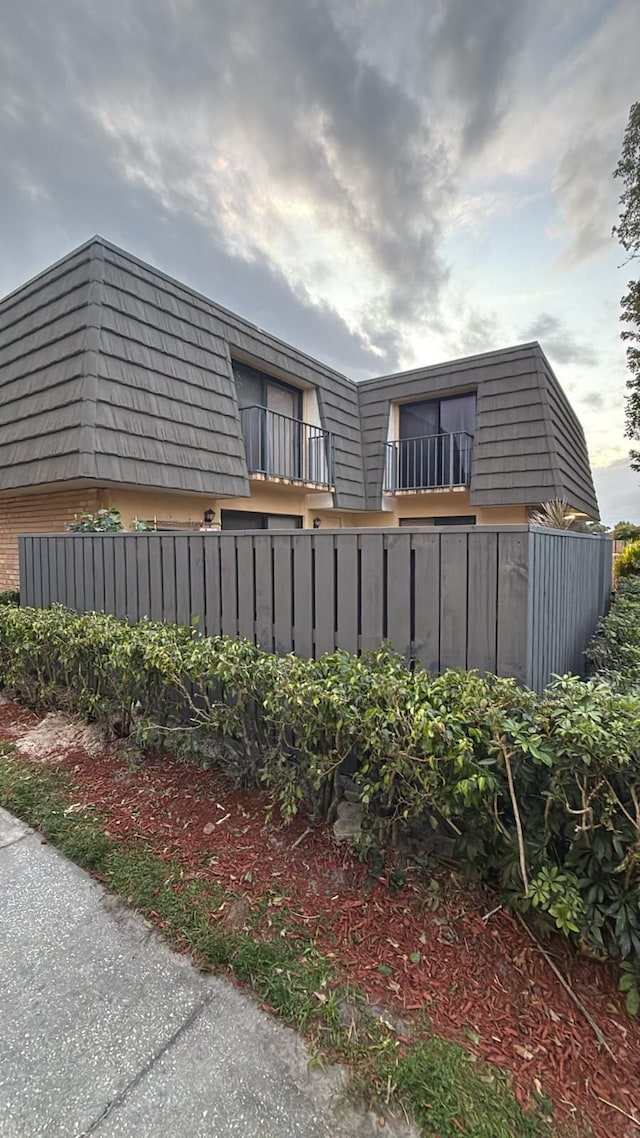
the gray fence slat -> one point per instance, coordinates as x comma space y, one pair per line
156, 605
512, 605
169, 581
43, 547
120, 570
229, 586
76, 548
143, 578
131, 573
62, 563
453, 600
26, 563
263, 591
109, 574
302, 596
211, 552
53, 571
196, 580
399, 600
282, 595
89, 576
346, 585
246, 588
372, 591
324, 594
183, 580
426, 645
482, 588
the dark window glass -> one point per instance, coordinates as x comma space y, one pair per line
463, 520
434, 446
247, 519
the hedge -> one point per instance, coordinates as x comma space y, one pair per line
539, 795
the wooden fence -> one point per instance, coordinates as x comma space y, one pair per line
514, 600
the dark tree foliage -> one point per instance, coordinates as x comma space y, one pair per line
628, 233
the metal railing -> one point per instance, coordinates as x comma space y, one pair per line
281, 447
428, 463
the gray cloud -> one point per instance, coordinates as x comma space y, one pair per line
586, 194
473, 48
594, 400
559, 342
618, 490
100, 107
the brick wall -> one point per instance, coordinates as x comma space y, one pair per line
36, 513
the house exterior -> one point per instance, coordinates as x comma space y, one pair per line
122, 387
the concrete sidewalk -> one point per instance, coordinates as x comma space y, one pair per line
105, 1031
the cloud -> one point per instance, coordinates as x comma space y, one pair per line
473, 48
586, 197
256, 124
618, 490
593, 399
559, 343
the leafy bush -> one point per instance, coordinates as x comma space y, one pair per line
10, 597
103, 521
628, 562
614, 651
540, 795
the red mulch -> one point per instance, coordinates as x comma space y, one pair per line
481, 982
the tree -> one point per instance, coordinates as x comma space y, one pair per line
628, 233
625, 531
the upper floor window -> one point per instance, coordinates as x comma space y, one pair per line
438, 417
257, 389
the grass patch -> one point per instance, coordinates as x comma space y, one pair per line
440, 1084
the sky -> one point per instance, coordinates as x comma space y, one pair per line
383, 183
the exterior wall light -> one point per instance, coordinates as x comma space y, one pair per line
316, 523
208, 517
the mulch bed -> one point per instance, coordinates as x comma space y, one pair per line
479, 981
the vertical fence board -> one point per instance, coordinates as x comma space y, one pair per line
426, 644
120, 572
61, 572
156, 607
282, 595
109, 574
512, 605
324, 594
229, 586
302, 596
372, 599
263, 591
399, 601
482, 594
196, 580
43, 554
89, 576
168, 560
131, 567
346, 584
246, 587
143, 577
212, 591
183, 579
453, 600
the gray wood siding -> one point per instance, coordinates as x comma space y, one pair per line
575, 482
175, 329
43, 342
528, 444
513, 600
111, 370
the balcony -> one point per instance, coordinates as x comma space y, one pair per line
280, 447
433, 462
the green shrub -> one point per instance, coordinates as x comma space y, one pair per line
103, 521
540, 795
628, 562
10, 597
615, 648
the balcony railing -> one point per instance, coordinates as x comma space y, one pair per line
278, 446
430, 463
